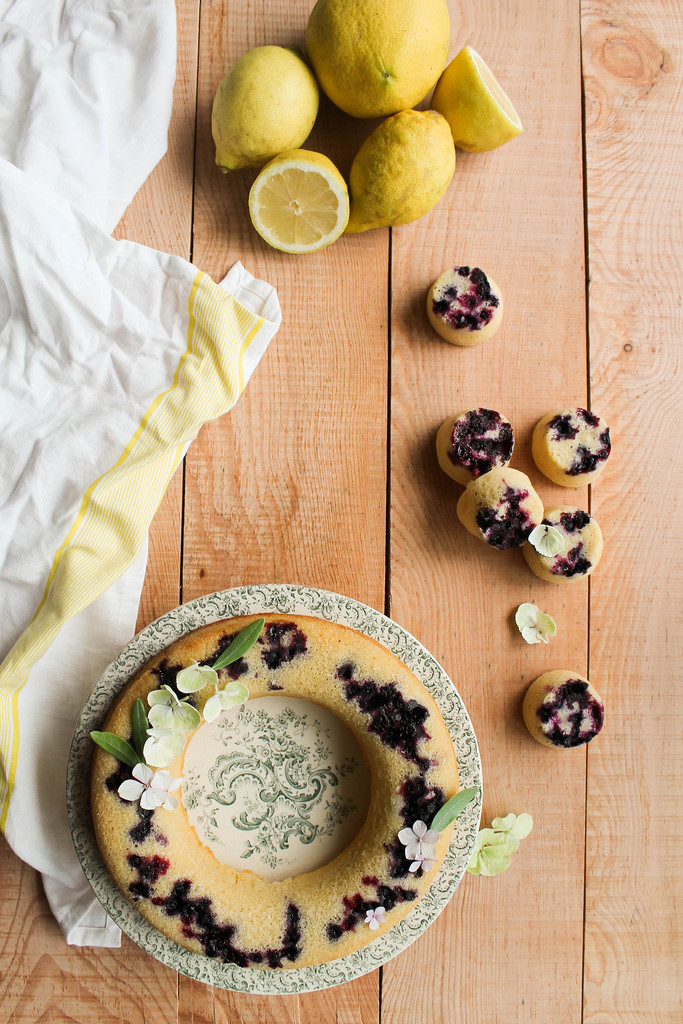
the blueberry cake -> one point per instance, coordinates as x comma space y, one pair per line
236, 906
562, 709
500, 507
464, 306
571, 446
581, 546
474, 442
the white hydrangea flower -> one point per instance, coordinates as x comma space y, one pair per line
222, 700
152, 789
162, 746
195, 677
535, 626
167, 711
419, 843
546, 540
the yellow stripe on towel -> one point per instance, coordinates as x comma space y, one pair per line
117, 508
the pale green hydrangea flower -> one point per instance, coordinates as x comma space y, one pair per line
535, 626
195, 677
494, 846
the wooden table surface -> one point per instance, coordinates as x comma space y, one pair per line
325, 474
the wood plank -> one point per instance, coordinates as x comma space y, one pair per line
161, 216
634, 152
43, 980
503, 942
291, 485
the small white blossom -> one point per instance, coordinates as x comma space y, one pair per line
374, 918
419, 843
152, 789
535, 626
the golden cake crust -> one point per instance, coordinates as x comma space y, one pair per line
176, 882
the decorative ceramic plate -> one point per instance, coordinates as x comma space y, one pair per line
285, 599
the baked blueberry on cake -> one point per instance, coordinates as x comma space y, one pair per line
500, 507
464, 305
474, 442
566, 546
562, 709
282, 816
571, 446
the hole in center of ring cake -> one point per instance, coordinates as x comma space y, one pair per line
278, 786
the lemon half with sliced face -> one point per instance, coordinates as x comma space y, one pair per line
299, 202
477, 108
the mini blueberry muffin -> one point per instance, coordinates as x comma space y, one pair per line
581, 546
464, 306
474, 442
501, 507
562, 709
170, 862
571, 446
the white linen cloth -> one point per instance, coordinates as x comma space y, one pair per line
112, 356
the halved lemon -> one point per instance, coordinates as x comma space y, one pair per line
479, 111
299, 202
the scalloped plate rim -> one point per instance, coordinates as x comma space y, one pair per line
283, 598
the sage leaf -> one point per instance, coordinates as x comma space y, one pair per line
452, 808
240, 644
117, 747
140, 726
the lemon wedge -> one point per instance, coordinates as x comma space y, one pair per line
299, 202
478, 110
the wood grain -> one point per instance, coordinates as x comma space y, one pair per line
634, 949
506, 211
291, 485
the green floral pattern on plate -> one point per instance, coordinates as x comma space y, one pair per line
277, 781
285, 599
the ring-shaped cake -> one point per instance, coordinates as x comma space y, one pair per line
176, 880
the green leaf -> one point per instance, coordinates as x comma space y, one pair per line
245, 639
452, 808
140, 725
117, 747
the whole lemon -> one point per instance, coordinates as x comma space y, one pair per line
266, 103
401, 171
376, 57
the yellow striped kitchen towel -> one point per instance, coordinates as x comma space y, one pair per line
112, 357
